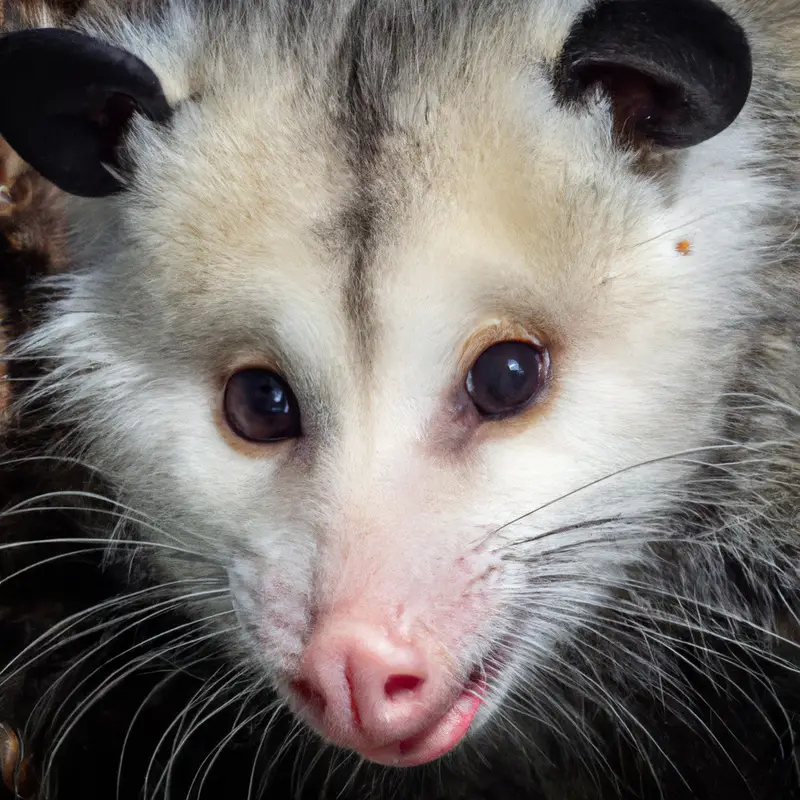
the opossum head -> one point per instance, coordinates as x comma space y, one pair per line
411, 320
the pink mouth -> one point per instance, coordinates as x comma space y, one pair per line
440, 737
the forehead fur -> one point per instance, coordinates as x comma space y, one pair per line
302, 158
345, 182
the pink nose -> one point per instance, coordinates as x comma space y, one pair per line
367, 689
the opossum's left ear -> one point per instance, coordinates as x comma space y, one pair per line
66, 102
677, 71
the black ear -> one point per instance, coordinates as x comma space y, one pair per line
677, 71
65, 104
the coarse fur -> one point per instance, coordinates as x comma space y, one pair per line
362, 195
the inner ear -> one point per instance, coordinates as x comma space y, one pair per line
70, 105
677, 72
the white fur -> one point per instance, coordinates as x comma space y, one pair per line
504, 203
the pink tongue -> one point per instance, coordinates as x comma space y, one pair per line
437, 740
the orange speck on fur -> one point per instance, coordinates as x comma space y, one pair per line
684, 247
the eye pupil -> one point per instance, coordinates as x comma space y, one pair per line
507, 377
261, 407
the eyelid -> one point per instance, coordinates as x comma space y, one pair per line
494, 332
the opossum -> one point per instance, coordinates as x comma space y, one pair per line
450, 346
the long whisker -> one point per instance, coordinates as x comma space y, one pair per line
277, 707
621, 471
138, 617
103, 542
68, 622
157, 688
618, 646
227, 677
141, 519
208, 763
115, 679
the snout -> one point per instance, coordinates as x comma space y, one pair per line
393, 698
386, 661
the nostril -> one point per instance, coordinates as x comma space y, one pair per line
401, 685
358, 685
309, 696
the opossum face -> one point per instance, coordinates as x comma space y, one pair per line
414, 369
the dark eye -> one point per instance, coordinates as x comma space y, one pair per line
260, 406
507, 377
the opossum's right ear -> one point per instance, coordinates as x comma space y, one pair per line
66, 103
